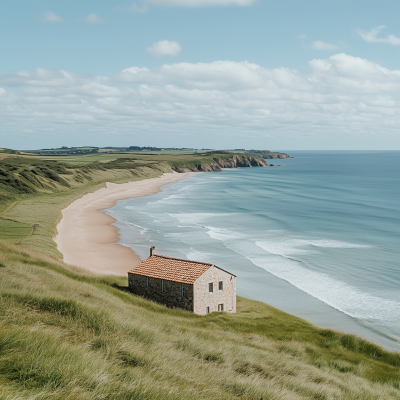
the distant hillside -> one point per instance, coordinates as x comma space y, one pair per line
9, 151
148, 149
89, 149
268, 154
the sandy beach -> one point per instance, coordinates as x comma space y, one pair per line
86, 237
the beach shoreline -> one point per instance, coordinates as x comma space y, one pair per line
85, 235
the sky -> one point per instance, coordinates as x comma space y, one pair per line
255, 74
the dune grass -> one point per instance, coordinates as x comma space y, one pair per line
68, 334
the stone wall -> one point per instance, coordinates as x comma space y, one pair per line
172, 296
203, 298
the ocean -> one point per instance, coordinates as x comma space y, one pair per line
317, 237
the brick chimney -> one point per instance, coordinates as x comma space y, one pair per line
152, 251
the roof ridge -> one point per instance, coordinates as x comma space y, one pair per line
182, 259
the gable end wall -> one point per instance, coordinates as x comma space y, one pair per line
203, 298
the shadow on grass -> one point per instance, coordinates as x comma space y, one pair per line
121, 288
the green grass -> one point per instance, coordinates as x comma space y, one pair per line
13, 231
81, 159
85, 159
177, 158
67, 334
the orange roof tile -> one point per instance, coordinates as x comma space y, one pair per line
171, 269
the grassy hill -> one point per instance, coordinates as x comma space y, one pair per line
75, 151
69, 334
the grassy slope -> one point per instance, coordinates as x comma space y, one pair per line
125, 150
65, 333
179, 159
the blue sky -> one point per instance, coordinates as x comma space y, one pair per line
200, 73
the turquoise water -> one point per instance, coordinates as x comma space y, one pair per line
317, 237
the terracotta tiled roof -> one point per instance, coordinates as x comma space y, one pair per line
171, 269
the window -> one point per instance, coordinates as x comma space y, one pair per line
220, 285
182, 290
162, 286
220, 307
211, 287
207, 310
147, 282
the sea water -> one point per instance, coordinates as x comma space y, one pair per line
317, 237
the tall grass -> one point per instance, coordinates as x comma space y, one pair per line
69, 334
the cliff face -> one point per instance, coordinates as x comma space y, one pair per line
240, 161
281, 156
268, 154
234, 162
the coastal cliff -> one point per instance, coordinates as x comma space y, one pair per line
268, 154
218, 163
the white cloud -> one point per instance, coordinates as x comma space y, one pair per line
50, 16
371, 36
339, 96
134, 7
320, 45
164, 48
94, 19
200, 3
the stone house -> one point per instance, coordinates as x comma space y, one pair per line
192, 285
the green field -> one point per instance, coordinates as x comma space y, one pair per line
69, 334
155, 156
13, 231
114, 150
146, 157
